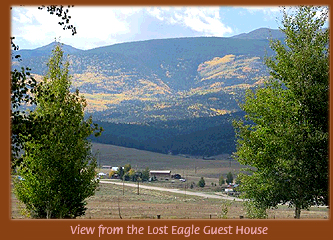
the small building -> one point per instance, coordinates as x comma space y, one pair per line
101, 175
160, 174
106, 167
115, 169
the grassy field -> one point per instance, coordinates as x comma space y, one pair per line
189, 166
111, 202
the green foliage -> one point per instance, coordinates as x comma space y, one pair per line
130, 175
238, 181
23, 88
221, 180
286, 143
145, 174
201, 182
127, 167
253, 211
120, 172
225, 208
112, 173
179, 137
57, 166
230, 178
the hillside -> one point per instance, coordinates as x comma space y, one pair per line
202, 137
164, 79
145, 94
139, 159
262, 33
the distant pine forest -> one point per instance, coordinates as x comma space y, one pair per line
204, 137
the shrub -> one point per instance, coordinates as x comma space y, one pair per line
221, 180
253, 211
201, 182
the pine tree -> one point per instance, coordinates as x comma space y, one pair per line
230, 178
201, 182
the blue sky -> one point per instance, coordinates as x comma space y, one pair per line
107, 25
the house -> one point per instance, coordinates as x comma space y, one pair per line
160, 174
101, 175
115, 168
231, 190
106, 167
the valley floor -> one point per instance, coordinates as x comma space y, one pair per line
112, 201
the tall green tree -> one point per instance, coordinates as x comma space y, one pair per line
145, 174
230, 178
286, 143
23, 89
221, 180
58, 169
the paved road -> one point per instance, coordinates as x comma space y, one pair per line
200, 194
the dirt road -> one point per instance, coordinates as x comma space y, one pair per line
192, 193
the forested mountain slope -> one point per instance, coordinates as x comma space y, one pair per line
158, 83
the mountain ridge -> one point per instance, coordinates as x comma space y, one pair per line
162, 79
261, 33
176, 95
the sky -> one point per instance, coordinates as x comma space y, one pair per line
108, 25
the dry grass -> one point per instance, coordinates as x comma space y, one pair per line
197, 167
109, 198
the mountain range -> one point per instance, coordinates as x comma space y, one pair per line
164, 82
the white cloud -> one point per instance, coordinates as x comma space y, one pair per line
93, 24
21, 18
264, 9
33, 25
156, 12
97, 25
102, 22
270, 12
205, 20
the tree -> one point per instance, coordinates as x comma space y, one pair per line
112, 173
23, 89
57, 166
145, 174
130, 175
221, 180
225, 208
127, 167
120, 172
253, 212
286, 138
201, 182
230, 178
61, 12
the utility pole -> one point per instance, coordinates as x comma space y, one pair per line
98, 158
185, 185
138, 178
185, 191
138, 187
123, 184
